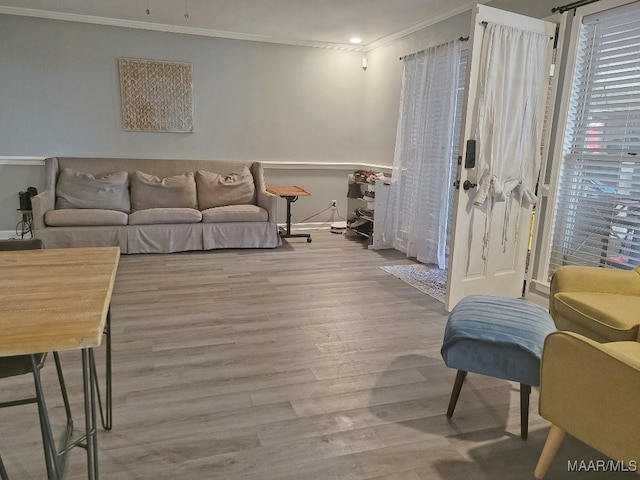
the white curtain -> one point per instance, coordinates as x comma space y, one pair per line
512, 79
416, 220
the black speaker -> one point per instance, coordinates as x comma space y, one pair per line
25, 198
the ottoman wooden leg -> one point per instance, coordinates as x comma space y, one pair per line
455, 393
525, 391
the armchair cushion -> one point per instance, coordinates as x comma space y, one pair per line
610, 316
625, 352
599, 303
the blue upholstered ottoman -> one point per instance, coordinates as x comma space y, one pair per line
499, 337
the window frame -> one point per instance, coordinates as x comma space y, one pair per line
569, 31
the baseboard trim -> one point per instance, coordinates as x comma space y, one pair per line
307, 226
7, 234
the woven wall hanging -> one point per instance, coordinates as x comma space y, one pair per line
156, 96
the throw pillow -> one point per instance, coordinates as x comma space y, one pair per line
82, 190
215, 190
149, 191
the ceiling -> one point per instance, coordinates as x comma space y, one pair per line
329, 23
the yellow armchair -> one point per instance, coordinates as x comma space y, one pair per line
602, 304
591, 390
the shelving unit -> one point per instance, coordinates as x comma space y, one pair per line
363, 200
383, 188
360, 212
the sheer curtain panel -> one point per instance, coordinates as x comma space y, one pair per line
419, 200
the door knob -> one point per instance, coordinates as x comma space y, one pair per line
467, 185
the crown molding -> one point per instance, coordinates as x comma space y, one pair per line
419, 26
161, 27
205, 32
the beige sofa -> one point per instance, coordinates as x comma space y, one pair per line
154, 206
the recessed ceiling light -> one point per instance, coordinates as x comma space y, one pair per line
355, 40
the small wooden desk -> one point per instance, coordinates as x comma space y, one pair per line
58, 299
291, 194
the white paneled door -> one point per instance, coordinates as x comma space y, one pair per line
498, 172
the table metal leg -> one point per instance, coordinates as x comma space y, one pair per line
88, 382
89, 441
106, 412
52, 459
286, 232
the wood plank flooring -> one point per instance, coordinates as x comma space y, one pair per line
303, 362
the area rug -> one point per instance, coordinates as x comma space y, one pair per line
428, 279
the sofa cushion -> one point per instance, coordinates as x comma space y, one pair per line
608, 314
215, 190
235, 213
149, 191
84, 217
82, 190
151, 216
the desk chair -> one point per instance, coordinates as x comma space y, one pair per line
25, 364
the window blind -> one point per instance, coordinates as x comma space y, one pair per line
597, 217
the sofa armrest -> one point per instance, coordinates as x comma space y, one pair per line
264, 199
269, 202
591, 390
41, 204
45, 200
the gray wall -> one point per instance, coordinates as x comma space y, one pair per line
59, 95
384, 75
384, 84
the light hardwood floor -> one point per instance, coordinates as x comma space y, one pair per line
303, 362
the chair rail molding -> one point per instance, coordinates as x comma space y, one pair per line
275, 165
20, 160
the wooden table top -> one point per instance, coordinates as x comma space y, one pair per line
55, 299
288, 191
